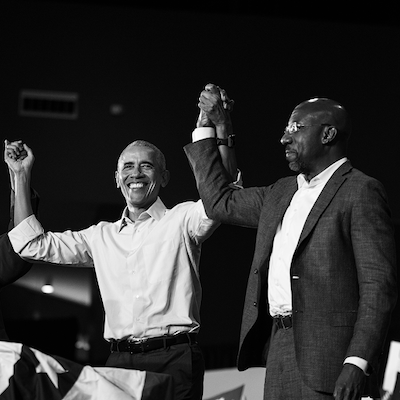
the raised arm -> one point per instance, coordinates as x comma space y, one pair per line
34, 196
19, 158
215, 107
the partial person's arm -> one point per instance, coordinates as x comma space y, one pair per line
17, 150
12, 266
21, 169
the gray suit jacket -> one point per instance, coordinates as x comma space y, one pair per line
343, 270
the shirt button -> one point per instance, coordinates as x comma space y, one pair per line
255, 304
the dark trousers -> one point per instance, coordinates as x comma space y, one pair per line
283, 380
184, 362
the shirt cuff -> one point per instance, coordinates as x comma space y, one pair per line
359, 362
24, 232
238, 183
203, 133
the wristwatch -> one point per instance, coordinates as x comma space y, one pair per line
229, 141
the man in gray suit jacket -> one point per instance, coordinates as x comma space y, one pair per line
324, 265
12, 266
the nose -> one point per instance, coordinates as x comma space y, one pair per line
286, 138
136, 171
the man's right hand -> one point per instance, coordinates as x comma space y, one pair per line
18, 156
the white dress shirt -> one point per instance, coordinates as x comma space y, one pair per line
148, 270
287, 236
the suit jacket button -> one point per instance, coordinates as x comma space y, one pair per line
255, 304
256, 271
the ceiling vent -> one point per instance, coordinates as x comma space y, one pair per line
37, 103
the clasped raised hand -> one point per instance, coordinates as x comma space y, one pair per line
215, 106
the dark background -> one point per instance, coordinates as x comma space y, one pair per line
154, 59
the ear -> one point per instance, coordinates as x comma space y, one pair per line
116, 179
329, 134
165, 178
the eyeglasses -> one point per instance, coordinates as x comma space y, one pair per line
295, 127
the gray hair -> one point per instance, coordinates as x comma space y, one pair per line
160, 158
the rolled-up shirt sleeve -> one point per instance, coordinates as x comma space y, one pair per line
29, 229
199, 226
31, 242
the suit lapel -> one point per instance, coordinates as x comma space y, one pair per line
324, 199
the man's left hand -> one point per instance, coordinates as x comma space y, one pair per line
350, 383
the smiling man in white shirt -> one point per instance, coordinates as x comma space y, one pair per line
146, 263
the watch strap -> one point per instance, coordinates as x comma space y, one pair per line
229, 141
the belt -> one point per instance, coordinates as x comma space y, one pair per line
283, 321
148, 344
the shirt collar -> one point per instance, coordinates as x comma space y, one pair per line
323, 177
155, 211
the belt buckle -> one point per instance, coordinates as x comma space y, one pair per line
136, 342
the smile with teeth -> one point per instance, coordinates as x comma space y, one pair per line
135, 185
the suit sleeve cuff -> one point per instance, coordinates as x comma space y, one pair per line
203, 133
